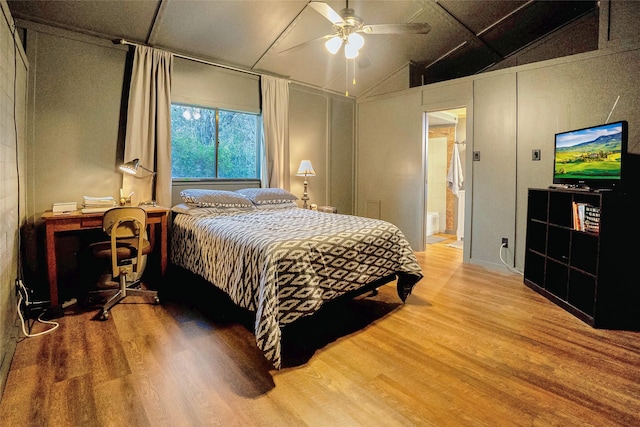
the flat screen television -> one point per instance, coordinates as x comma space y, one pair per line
592, 157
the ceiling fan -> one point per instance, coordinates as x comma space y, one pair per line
347, 29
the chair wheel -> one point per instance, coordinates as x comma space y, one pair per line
156, 299
105, 315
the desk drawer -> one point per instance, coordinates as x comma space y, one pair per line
91, 223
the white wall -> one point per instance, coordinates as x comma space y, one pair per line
493, 200
13, 89
308, 141
437, 164
341, 154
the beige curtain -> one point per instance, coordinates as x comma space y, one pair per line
275, 117
148, 136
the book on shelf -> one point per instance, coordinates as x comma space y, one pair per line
586, 217
592, 219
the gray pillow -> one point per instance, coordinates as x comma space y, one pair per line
215, 198
267, 196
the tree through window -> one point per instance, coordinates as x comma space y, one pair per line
210, 143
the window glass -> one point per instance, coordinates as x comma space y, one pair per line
209, 143
238, 145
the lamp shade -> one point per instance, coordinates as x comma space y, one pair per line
356, 40
130, 167
305, 169
350, 51
333, 45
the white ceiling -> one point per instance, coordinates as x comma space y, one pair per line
251, 35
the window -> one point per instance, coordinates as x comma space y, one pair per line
210, 143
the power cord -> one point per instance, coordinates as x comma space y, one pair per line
23, 297
513, 270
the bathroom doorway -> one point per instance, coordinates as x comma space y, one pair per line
445, 194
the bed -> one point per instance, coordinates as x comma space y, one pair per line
282, 262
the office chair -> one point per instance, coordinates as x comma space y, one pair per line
126, 249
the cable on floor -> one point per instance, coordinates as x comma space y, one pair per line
513, 270
23, 291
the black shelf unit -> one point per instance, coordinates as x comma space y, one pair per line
591, 274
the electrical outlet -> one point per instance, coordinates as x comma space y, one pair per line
505, 242
22, 290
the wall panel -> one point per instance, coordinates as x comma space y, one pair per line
13, 90
390, 162
494, 176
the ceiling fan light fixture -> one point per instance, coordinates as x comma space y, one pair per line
333, 44
356, 40
350, 51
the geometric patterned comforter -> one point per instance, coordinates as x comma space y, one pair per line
283, 264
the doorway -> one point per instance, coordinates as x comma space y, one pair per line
445, 194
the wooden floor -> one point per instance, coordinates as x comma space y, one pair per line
471, 347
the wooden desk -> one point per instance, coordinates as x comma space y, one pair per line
55, 223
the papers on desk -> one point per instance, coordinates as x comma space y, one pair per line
94, 210
64, 207
97, 204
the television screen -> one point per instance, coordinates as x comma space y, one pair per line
591, 157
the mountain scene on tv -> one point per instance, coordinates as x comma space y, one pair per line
599, 158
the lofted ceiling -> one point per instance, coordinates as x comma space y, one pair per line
465, 37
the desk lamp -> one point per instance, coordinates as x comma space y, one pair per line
131, 168
305, 170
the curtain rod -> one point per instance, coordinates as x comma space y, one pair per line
191, 58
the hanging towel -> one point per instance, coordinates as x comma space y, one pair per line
454, 176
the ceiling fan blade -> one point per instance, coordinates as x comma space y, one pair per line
326, 11
412, 28
307, 43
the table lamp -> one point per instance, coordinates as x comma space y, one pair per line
305, 170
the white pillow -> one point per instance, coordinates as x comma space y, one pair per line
268, 196
215, 198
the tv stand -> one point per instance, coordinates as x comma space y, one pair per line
587, 269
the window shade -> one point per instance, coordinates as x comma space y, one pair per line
195, 83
